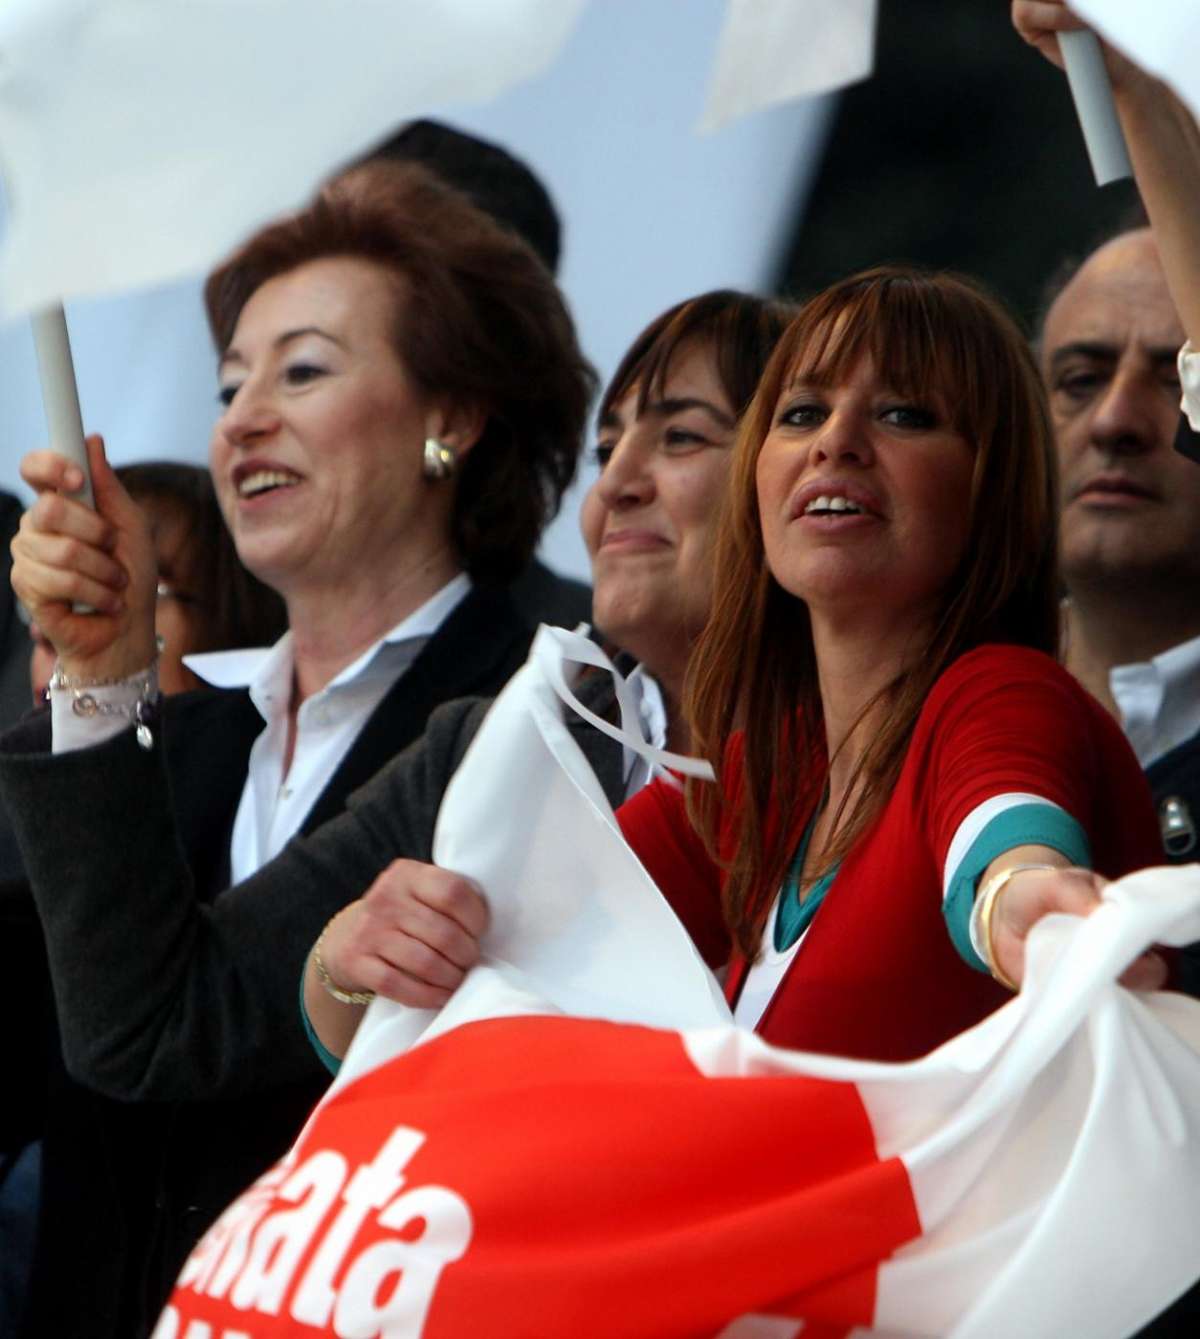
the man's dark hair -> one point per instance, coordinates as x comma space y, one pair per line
491, 177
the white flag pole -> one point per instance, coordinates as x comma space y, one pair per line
1092, 92
60, 395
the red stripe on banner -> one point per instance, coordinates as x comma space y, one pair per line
556, 1176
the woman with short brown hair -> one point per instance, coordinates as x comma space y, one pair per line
476, 317
403, 402
403, 399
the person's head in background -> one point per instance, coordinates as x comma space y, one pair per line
492, 178
207, 601
665, 428
1130, 521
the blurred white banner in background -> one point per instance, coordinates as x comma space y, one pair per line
1162, 37
652, 213
772, 50
142, 140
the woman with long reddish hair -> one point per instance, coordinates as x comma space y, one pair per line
907, 779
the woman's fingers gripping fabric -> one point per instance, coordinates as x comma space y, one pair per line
412, 937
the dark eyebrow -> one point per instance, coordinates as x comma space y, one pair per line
231, 355
666, 408
1109, 353
1104, 353
609, 419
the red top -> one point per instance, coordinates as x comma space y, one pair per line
877, 975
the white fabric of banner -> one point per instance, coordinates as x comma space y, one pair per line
1163, 37
526, 817
773, 50
1051, 1149
1064, 1128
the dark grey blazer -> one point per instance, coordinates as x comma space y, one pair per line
15, 646
164, 997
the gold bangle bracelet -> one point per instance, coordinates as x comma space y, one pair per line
988, 896
328, 983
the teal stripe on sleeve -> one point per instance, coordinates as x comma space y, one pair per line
1022, 825
331, 1062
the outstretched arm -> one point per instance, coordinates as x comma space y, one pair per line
1164, 146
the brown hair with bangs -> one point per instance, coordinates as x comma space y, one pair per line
754, 668
478, 318
740, 329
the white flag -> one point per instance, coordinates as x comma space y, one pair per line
773, 50
141, 139
1162, 37
583, 1144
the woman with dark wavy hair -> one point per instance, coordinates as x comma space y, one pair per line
402, 406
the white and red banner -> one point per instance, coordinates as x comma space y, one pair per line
576, 1148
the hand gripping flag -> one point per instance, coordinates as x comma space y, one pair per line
582, 1144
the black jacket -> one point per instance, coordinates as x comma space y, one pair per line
1175, 782
129, 1183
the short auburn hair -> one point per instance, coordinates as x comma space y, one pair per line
478, 317
929, 335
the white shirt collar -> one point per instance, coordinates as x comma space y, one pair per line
267, 670
1189, 381
652, 713
1159, 700
651, 707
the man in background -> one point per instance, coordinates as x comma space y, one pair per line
1130, 528
1110, 352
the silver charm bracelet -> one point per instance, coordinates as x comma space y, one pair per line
140, 711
